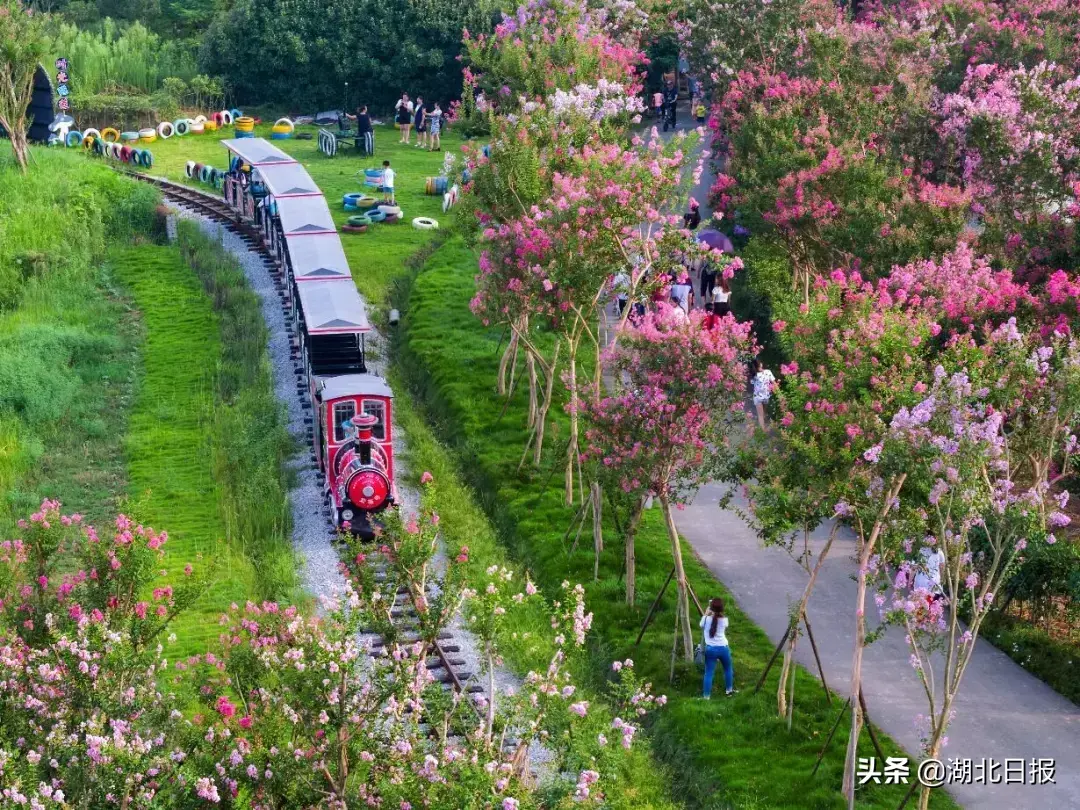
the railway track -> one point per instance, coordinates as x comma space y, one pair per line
442, 654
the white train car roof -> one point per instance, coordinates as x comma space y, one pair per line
333, 308
305, 215
287, 180
317, 257
257, 151
352, 384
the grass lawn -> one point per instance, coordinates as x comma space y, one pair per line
67, 342
376, 257
722, 753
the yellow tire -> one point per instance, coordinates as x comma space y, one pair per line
110, 135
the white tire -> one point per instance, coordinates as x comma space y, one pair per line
446, 202
200, 119
226, 118
91, 133
165, 129
425, 224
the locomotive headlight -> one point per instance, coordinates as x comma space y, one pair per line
347, 514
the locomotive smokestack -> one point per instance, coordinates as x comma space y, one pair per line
364, 423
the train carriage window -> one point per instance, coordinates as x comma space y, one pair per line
343, 412
376, 409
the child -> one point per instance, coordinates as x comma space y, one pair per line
658, 104
763, 381
434, 123
387, 182
699, 112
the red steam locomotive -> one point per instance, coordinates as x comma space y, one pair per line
352, 433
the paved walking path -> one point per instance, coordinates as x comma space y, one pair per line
1003, 712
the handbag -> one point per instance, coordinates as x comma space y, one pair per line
699, 655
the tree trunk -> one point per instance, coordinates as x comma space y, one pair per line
631, 570
509, 352
783, 702
683, 615
597, 527
933, 753
865, 552
541, 416
572, 445
17, 134
530, 361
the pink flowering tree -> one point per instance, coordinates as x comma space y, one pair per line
83, 716
557, 260
548, 46
667, 429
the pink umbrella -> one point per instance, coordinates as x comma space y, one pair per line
716, 240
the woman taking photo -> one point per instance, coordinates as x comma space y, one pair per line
714, 624
403, 112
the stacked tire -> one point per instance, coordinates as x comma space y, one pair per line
282, 130
436, 186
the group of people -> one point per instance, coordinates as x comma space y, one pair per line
412, 115
664, 103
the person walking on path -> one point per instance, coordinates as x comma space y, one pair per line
763, 383
403, 112
692, 217
434, 125
420, 124
721, 297
714, 624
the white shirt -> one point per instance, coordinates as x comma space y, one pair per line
720, 639
622, 286
719, 296
388, 178
681, 292
407, 104
928, 577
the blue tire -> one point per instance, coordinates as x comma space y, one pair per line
181, 126
376, 216
351, 198
235, 113
74, 138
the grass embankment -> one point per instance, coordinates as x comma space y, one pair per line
67, 343
376, 257
205, 442
723, 753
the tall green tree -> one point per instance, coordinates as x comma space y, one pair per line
301, 52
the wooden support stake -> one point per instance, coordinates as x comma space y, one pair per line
828, 739
772, 660
820, 668
869, 726
652, 609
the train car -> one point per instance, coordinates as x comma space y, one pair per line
353, 418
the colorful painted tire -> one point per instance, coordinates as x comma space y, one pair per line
149, 139
182, 126
354, 228
189, 168
74, 138
284, 122
196, 171
359, 219
90, 133
455, 192
198, 127
165, 130
366, 202
446, 203
235, 113
375, 173
350, 207
129, 137
87, 142
110, 135
391, 210
204, 174
199, 119
125, 153
210, 126
280, 136
351, 198
376, 216
218, 119
244, 123
239, 133
425, 224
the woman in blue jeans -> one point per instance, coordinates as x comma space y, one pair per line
714, 623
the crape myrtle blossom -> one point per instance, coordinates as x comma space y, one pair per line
287, 709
